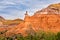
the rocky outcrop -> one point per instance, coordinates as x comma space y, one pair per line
6, 25
47, 19
1, 18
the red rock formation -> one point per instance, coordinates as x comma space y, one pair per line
47, 19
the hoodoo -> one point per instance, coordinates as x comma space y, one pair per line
26, 16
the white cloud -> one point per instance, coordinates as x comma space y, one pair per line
7, 3
33, 6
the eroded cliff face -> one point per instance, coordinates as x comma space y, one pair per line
46, 22
47, 19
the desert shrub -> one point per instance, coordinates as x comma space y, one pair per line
58, 36
36, 36
50, 36
41, 35
19, 37
3, 38
29, 37
9, 38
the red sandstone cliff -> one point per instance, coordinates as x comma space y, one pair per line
47, 19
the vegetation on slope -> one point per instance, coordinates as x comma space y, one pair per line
36, 36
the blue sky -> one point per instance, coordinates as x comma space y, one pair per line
12, 9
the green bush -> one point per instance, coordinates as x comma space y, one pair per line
58, 36
50, 36
37, 36
19, 37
